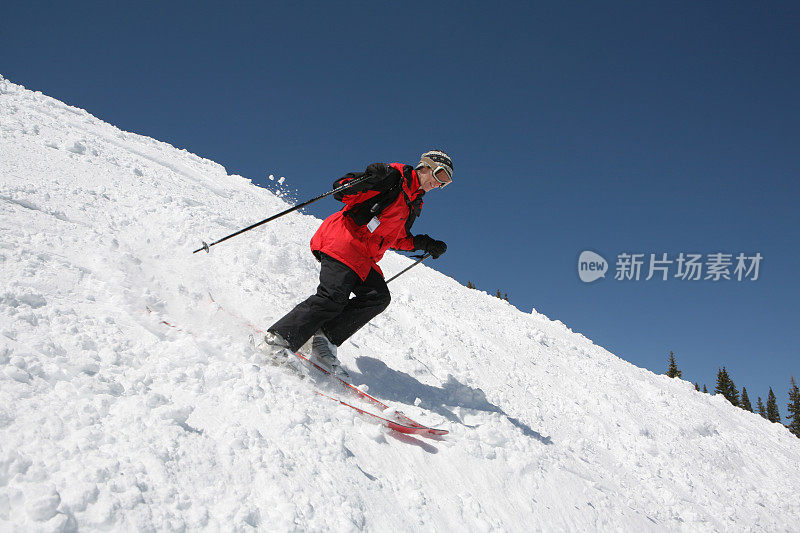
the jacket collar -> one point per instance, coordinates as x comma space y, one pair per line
416, 187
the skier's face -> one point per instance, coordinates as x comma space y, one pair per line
428, 181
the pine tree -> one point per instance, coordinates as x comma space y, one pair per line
705, 389
673, 371
696, 387
722, 381
505, 296
794, 409
761, 410
746, 401
498, 294
772, 408
726, 387
733, 394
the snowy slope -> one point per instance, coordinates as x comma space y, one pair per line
111, 419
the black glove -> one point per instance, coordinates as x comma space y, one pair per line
429, 245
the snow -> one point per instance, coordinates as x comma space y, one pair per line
111, 419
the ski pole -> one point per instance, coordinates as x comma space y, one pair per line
347, 185
409, 267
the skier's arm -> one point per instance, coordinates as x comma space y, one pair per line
429, 245
425, 243
380, 178
406, 242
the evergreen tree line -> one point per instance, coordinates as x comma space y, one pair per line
503, 296
727, 388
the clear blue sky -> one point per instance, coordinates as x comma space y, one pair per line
617, 127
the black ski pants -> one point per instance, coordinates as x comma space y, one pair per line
331, 308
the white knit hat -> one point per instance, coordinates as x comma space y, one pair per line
437, 158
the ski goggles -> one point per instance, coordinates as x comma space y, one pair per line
442, 184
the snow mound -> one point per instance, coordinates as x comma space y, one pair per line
129, 400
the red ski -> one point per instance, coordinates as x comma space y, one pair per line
403, 424
411, 430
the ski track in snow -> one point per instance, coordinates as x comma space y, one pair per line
110, 419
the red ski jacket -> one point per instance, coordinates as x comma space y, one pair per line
377, 215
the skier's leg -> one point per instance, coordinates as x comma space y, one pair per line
372, 297
336, 282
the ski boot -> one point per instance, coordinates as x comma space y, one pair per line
323, 353
275, 350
